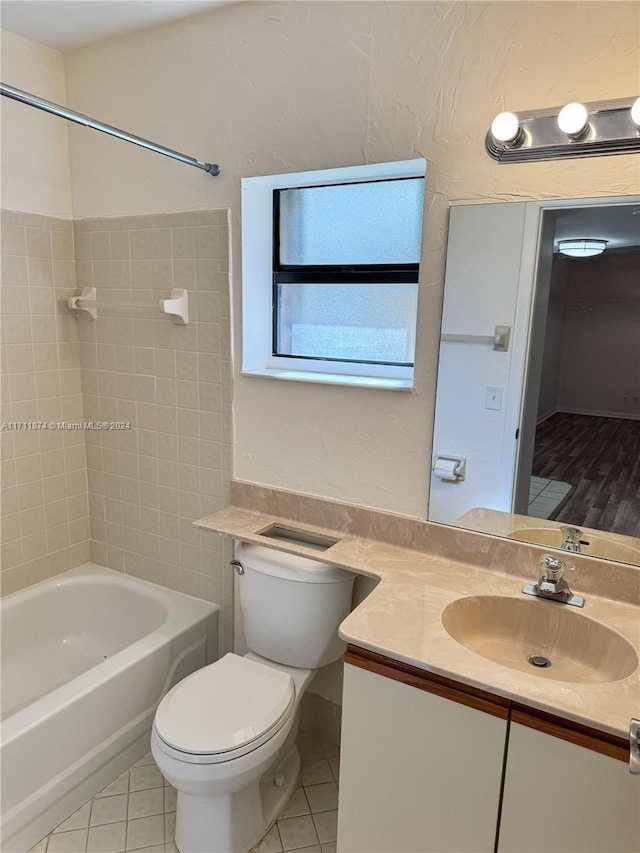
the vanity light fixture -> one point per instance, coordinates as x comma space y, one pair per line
573, 119
586, 248
505, 129
575, 130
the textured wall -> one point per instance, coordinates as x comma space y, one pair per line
35, 145
45, 511
280, 87
171, 383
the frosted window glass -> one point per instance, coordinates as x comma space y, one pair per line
379, 222
355, 322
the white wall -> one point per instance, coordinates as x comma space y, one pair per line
35, 145
277, 87
600, 365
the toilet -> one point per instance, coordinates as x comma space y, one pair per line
225, 735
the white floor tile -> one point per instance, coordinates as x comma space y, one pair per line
109, 810
109, 838
170, 798
145, 831
326, 825
146, 759
147, 776
68, 842
78, 820
137, 812
297, 832
334, 764
316, 772
270, 843
322, 798
146, 803
118, 786
311, 748
296, 806
170, 827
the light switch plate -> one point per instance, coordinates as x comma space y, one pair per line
493, 398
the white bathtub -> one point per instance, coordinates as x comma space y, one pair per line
86, 657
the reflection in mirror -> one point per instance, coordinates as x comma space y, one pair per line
550, 429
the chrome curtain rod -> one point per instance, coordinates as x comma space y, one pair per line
79, 118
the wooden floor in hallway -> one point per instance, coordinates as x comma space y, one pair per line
600, 458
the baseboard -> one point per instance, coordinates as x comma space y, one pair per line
627, 416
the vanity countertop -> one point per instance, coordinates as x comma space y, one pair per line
402, 617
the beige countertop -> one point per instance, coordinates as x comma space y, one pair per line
402, 617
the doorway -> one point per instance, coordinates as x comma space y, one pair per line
579, 459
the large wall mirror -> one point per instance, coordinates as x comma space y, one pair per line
537, 431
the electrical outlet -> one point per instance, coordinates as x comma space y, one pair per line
625, 401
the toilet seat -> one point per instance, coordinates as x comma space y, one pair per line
224, 710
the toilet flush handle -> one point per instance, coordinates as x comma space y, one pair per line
237, 565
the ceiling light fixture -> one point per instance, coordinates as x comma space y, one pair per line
586, 248
575, 130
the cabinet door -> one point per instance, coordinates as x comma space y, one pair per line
563, 798
418, 773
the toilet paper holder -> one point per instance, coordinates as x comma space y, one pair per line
450, 469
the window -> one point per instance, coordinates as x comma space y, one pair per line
335, 298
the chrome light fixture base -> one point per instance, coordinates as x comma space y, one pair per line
611, 129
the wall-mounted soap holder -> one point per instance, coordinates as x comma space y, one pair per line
85, 301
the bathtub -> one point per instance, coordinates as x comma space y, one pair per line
86, 657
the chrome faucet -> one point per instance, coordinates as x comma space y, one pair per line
571, 540
551, 584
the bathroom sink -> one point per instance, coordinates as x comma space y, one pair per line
540, 638
599, 546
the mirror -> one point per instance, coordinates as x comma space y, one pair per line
548, 429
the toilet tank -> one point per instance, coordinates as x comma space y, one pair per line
292, 606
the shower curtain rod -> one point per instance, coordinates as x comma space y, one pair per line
79, 118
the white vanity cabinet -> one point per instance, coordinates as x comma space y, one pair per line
432, 766
418, 772
563, 798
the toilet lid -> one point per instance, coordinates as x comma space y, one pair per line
224, 706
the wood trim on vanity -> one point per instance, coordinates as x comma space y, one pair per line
428, 681
576, 733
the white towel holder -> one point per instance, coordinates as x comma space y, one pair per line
177, 306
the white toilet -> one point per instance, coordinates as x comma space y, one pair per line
225, 735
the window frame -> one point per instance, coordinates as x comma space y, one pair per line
261, 265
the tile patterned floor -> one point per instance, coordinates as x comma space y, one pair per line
545, 496
138, 812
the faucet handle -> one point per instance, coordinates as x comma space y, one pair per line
552, 566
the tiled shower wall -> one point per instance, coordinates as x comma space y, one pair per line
45, 515
170, 385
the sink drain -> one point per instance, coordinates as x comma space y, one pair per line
538, 660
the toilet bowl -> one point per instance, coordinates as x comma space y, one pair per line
224, 737
215, 740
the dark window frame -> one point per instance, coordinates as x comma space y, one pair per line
332, 274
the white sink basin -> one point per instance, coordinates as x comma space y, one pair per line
511, 631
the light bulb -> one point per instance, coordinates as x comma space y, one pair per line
573, 120
505, 128
635, 112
